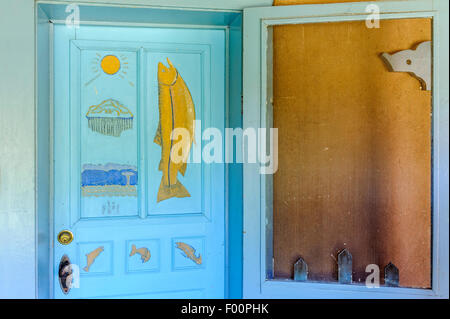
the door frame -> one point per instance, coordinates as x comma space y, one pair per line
258, 189
49, 13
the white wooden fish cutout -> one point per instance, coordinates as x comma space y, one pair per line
416, 62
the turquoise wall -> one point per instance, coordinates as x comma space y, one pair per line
17, 150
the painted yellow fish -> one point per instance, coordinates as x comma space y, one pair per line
91, 257
176, 110
189, 252
143, 251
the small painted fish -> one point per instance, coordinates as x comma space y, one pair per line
91, 257
144, 252
189, 252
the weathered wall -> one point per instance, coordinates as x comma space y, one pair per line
354, 150
17, 150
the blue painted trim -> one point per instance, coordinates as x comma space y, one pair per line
91, 13
43, 116
235, 195
257, 201
176, 4
440, 203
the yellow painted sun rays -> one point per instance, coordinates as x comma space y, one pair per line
109, 65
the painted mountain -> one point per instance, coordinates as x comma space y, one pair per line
109, 118
109, 180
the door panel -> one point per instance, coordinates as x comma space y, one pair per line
106, 164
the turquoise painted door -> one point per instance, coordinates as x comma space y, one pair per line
130, 242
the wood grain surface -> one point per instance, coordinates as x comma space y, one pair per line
354, 151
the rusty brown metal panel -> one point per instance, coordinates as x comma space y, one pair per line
354, 151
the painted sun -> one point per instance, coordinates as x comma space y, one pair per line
109, 65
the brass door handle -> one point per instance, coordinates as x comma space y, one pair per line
65, 237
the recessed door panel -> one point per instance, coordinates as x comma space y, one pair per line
129, 240
109, 147
194, 62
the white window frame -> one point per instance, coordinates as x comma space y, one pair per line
258, 113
